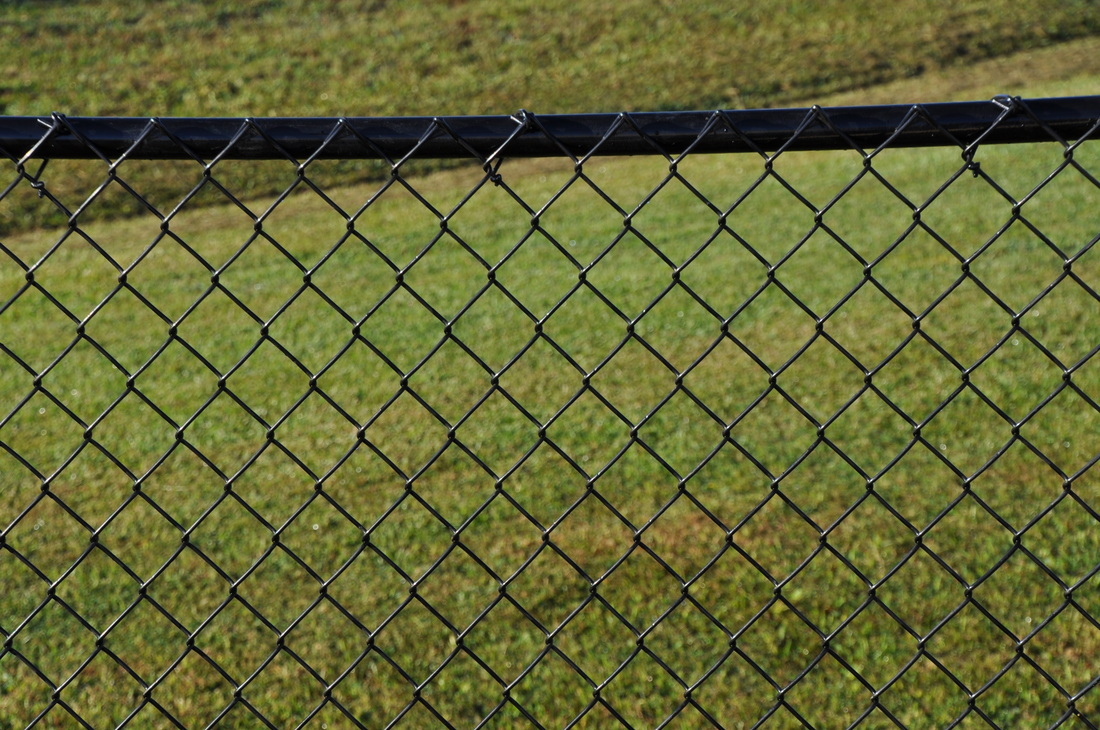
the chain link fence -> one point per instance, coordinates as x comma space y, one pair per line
737, 419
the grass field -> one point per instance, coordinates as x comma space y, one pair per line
222, 485
442, 473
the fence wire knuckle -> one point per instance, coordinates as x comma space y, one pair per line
723, 419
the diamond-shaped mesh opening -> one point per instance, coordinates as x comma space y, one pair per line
279, 589
401, 330
679, 328
826, 592
685, 537
585, 328
188, 590
492, 222
907, 698
393, 538
822, 380
99, 275
91, 465
594, 625
558, 273
416, 641
183, 472
317, 434
828, 693
327, 641
781, 644
996, 267
774, 433
620, 589
49, 537
494, 329
236, 640
951, 539
261, 277
921, 593
674, 243
752, 325
368, 589
97, 589
194, 690
681, 434
664, 439
770, 219
549, 589
232, 536
1020, 595
687, 642
498, 434
1023, 695
643, 693
507, 659
177, 383
918, 270
589, 433
545, 485
219, 330
55, 642
754, 698
1065, 539
553, 690
872, 539
1066, 431
283, 683
1066, 320
820, 273
725, 273
541, 380
876, 645
463, 693
593, 536
634, 380
353, 276
146, 641
311, 331
173, 274
454, 486
871, 433
103, 692
868, 309
971, 648
406, 434
447, 276
502, 537
458, 588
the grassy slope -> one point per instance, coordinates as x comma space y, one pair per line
730, 487
479, 56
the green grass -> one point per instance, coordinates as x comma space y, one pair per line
158, 445
183, 477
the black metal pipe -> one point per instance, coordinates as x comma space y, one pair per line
1000, 121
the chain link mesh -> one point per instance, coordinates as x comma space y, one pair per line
760, 440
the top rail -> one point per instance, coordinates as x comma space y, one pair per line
1000, 120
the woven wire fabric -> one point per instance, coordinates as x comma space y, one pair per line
772, 439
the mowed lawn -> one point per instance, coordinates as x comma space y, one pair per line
790, 446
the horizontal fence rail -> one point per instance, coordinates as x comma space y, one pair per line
552, 420
527, 135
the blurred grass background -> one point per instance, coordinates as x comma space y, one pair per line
166, 509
